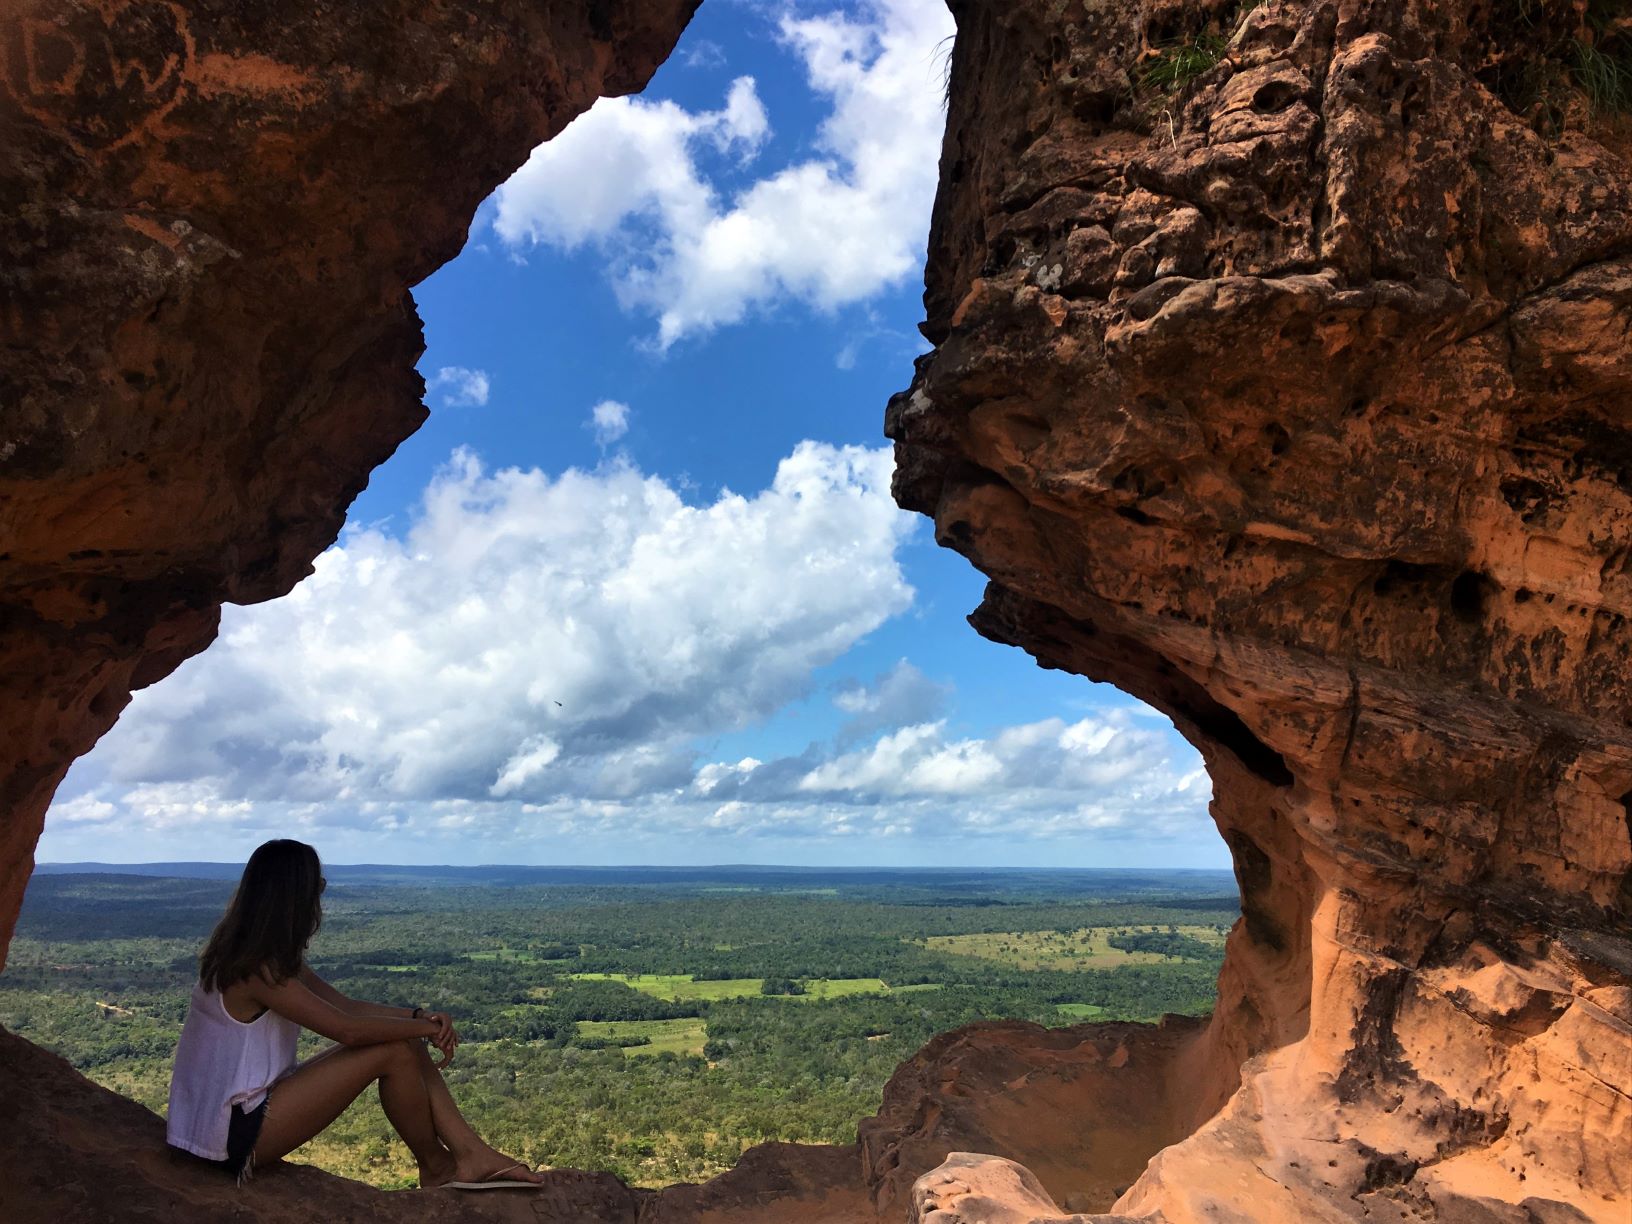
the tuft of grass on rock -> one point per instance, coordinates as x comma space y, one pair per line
1177, 64
1605, 78
1562, 63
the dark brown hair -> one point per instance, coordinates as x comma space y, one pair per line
270, 920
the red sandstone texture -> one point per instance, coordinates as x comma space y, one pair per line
1298, 403
1294, 401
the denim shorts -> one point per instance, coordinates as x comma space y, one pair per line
242, 1132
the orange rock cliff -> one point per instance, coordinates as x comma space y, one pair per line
1294, 399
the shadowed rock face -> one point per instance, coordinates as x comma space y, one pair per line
210, 218
1298, 403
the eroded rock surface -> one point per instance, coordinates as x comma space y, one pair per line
1083, 1107
210, 217
1297, 401
972, 1188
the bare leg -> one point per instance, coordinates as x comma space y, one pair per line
451, 1127
476, 1158
307, 1101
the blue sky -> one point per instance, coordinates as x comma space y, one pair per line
636, 593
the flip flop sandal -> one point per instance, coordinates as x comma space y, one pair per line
494, 1181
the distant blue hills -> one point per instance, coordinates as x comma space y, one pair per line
1096, 880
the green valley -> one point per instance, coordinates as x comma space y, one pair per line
652, 1023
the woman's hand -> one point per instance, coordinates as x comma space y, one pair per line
446, 1039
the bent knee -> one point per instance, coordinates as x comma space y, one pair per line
402, 1053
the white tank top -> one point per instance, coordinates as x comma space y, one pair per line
222, 1062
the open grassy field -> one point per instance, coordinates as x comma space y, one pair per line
1084, 948
665, 1036
677, 987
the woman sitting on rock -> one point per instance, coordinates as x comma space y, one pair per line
237, 1095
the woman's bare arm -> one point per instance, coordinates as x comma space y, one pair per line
296, 1001
445, 1038
354, 1007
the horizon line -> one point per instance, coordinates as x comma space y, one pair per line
613, 866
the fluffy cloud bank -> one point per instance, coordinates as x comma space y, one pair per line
1109, 778
631, 177
531, 636
1113, 773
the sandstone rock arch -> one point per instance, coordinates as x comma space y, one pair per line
1298, 407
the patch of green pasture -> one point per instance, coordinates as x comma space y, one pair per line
676, 987
664, 1036
520, 955
1084, 948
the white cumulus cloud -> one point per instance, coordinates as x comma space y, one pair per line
835, 227
528, 762
626, 157
542, 661
457, 387
609, 421
1105, 777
